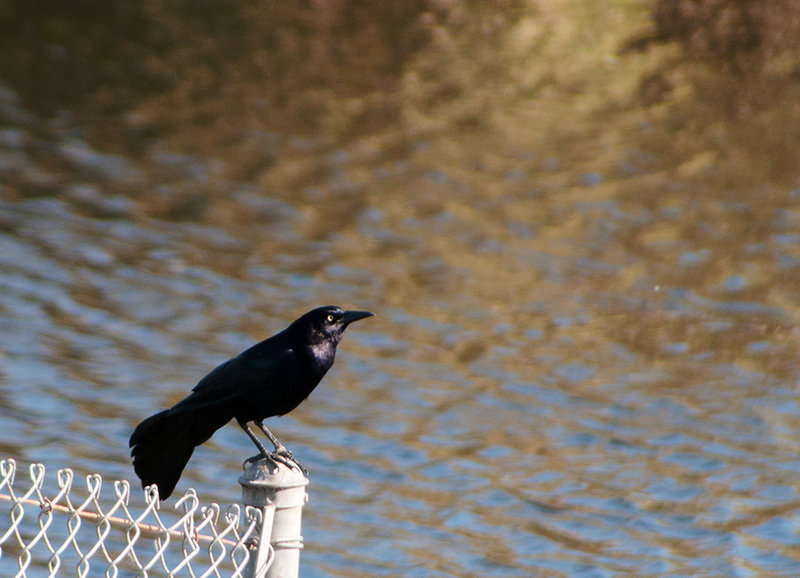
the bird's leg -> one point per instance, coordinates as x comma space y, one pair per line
281, 453
264, 452
279, 447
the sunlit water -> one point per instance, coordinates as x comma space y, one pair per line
576, 377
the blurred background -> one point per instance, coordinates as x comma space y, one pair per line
576, 221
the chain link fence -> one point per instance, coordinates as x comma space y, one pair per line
52, 528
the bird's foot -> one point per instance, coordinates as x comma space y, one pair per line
253, 459
284, 456
280, 450
280, 456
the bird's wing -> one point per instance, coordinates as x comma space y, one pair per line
236, 378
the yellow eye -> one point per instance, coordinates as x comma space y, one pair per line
330, 318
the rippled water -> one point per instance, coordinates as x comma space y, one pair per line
570, 373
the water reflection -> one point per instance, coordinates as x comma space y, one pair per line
579, 367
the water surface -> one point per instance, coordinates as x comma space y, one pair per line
578, 367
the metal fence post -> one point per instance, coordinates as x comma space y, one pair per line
280, 492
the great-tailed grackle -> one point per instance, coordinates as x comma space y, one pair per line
271, 378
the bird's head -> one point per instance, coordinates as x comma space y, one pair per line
327, 324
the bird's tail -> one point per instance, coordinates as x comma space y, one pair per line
163, 443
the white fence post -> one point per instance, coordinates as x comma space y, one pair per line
280, 493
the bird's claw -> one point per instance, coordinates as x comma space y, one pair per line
284, 456
253, 459
280, 455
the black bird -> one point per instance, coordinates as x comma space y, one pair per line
271, 378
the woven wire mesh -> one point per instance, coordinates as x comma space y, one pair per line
57, 529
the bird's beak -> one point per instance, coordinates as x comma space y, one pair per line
350, 316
